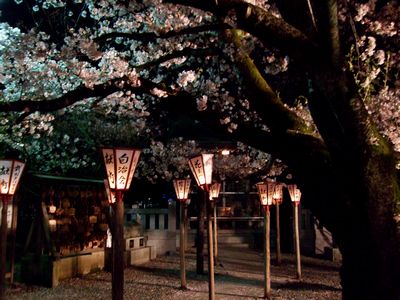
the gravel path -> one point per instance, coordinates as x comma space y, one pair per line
239, 275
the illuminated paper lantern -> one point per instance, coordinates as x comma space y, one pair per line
214, 190
278, 194
120, 166
201, 167
10, 174
295, 193
182, 187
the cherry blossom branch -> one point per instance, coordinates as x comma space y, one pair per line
79, 94
177, 54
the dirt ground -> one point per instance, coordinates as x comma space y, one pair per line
238, 275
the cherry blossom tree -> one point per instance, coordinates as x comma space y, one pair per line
314, 83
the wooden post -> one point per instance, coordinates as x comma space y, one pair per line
211, 291
3, 247
118, 250
278, 236
187, 246
215, 232
182, 242
297, 239
13, 237
267, 254
200, 236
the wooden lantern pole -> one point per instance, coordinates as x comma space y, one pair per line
267, 254
182, 242
211, 286
297, 238
118, 249
278, 235
215, 232
3, 247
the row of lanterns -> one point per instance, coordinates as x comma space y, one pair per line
270, 193
120, 165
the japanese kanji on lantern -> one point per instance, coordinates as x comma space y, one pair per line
214, 190
182, 187
295, 193
120, 166
266, 192
10, 174
278, 195
201, 167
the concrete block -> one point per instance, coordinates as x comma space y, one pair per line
139, 256
153, 252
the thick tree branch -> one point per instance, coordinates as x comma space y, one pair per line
264, 100
271, 30
151, 36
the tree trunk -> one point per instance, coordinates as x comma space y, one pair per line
370, 241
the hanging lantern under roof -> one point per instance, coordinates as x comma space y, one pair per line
201, 167
10, 174
295, 193
120, 166
214, 190
182, 187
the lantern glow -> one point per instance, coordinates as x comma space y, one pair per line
120, 166
266, 192
201, 167
295, 193
182, 187
214, 190
110, 194
278, 195
10, 174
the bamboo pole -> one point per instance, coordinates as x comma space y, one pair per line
211, 286
267, 254
297, 239
278, 236
182, 246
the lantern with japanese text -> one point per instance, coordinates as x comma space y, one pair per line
182, 187
120, 166
295, 193
201, 167
266, 192
278, 195
214, 190
10, 174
